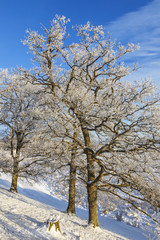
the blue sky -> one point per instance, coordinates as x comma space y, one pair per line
136, 21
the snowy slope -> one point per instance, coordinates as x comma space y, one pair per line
24, 216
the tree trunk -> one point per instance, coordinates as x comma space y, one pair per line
72, 187
92, 198
91, 186
72, 181
14, 176
19, 144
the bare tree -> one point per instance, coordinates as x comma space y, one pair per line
116, 120
18, 116
46, 51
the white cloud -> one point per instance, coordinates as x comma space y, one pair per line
143, 27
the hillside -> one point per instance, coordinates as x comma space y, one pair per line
24, 216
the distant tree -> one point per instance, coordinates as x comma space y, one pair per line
117, 121
18, 116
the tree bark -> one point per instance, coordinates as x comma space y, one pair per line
91, 186
72, 188
19, 144
72, 181
14, 176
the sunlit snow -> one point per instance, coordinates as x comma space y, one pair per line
24, 216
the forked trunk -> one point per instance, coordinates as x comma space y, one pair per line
91, 186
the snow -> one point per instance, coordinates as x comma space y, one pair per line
24, 216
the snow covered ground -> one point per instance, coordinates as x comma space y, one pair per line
24, 216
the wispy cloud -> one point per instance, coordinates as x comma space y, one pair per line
143, 27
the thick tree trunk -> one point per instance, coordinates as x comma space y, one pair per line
92, 193
91, 186
14, 176
92, 202
72, 181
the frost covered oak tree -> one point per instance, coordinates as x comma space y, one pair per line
116, 120
19, 119
48, 73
